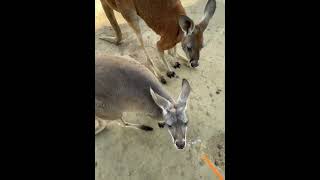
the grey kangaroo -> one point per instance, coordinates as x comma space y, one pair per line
124, 85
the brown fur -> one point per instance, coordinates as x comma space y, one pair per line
166, 26
168, 19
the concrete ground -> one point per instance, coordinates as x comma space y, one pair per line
130, 154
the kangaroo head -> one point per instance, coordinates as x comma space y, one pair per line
192, 40
174, 115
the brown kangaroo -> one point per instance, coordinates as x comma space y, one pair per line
168, 19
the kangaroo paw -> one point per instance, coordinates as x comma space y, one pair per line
163, 80
171, 74
145, 128
161, 124
176, 65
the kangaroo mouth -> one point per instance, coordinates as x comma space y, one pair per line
180, 144
180, 148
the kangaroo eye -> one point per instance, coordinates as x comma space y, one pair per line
169, 126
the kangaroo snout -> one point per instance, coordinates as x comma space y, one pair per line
194, 63
180, 144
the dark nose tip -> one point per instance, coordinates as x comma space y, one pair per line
194, 64
180, 144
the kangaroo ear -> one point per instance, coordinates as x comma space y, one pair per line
163, 103
208, 13
185, 92
186, 24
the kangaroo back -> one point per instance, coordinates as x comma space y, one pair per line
160, 15
123, 85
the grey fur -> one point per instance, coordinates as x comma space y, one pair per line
208, 13
192, 41
124, 85
186, 24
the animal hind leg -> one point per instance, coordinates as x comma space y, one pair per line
133, 20
137, 126
113, 21
100, 125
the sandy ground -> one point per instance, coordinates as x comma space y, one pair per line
129, 154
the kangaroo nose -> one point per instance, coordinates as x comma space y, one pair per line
194, 64
180, 144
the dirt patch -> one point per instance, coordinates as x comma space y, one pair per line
129, 154
216, 150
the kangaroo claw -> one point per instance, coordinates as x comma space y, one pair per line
171, 74
161, 124
177, 65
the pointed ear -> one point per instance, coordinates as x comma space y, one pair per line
184, 95
208, 13
163, 103
186, 24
